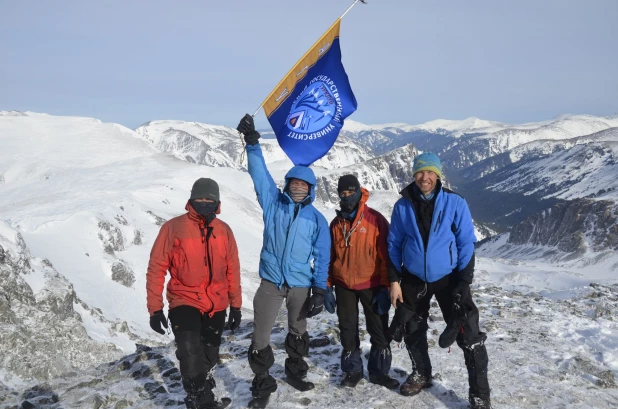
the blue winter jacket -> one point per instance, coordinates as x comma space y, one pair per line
296, 249
451, 238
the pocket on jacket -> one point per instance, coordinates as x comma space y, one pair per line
184, 273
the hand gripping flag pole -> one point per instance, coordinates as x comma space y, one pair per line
307, 108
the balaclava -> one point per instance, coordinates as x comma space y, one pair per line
205, 188
349, 182
297, 193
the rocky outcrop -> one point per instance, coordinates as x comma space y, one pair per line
573, 227
122, 274
42, 335
391, 171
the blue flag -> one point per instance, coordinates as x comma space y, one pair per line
307, 109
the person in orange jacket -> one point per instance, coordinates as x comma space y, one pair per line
200, 252
358, 271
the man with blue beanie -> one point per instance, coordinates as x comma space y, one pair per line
431, 248
293, 266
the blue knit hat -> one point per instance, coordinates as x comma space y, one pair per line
427, 161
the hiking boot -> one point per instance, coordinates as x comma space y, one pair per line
414, 384
479, 403
352, 379
384, 380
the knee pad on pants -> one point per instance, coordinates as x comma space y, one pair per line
190, 354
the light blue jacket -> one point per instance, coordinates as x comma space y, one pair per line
297, 242
451, 238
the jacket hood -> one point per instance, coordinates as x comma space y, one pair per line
302, 173
305, 174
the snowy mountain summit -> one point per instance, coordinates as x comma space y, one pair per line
81, 202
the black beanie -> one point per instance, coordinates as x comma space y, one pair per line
348, 182
205, 188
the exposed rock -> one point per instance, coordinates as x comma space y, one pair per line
111, 237
122, 274
572, 228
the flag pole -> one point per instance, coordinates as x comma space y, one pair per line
285, 76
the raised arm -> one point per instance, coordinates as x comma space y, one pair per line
265, 187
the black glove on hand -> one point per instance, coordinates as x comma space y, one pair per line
233, 321
247, 128
316, 302
462, 290
156, 320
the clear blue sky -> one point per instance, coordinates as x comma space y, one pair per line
211, 61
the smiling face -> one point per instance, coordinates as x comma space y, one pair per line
426, 181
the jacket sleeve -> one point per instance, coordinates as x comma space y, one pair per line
464, 238
233, 271
321, 252
158, 265
265, 187
396, 235
382, 247
333, 253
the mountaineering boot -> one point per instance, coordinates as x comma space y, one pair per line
378, 365
414, 384
225, 402
296, 374
262, 386
259, 403
477, 402
384, 380
352, 379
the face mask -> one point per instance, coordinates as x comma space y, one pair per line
206, 209
298, 194
348, 203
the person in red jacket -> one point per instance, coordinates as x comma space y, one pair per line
200, 252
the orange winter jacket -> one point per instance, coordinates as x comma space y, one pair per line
202, 261
359, 249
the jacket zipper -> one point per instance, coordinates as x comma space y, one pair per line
438, 222
450, 252
207, 262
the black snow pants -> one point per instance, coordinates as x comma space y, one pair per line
417, 296
198, 338
380, 358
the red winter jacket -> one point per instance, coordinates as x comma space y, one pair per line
185, 249
359, 251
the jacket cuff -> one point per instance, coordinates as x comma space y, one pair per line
467, 274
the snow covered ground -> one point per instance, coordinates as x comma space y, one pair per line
85, 195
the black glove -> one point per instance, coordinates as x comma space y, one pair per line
462, 290
316, 302
156, 320
247, 128
233, 321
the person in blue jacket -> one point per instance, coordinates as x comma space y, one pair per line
293, 265
431, 249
